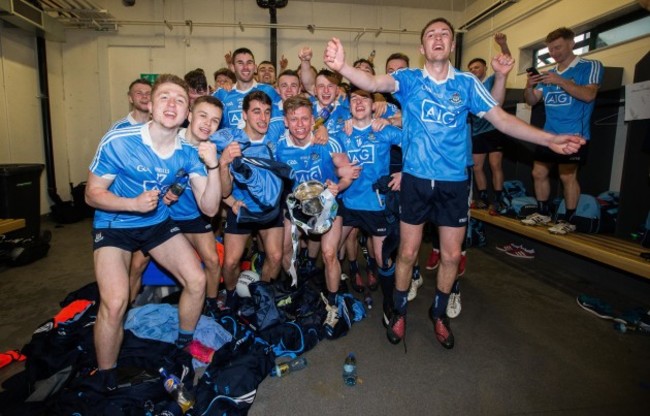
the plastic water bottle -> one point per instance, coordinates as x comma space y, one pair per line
367, 297
323, 116
283, 369
177, 390
350, 370
180, 182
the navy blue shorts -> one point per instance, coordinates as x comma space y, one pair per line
372, 222
488, 142
232, 227
134, 239
546, 155
198, 225
443, 203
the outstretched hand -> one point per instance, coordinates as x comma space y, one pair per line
503, 63
566, 144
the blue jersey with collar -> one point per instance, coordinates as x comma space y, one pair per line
311, 162
233, 101
264, 148
566, 114
481, 125
127, 121
371, 151
128, 158
434, 121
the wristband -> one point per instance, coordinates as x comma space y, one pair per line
212, 167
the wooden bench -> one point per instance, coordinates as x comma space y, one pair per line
605, 249
9, 225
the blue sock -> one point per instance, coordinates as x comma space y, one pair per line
416, 273
387, 283
184, 338
400, 300
456, 287
440, 301
331, 298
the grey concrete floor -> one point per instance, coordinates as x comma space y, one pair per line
523, 346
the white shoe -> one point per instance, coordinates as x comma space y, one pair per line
332, 317
562, 228
536, 219
454, 305
413, 290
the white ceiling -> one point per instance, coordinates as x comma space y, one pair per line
455, 5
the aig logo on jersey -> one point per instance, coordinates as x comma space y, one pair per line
558, 98
234, 118
436, 113
365, 154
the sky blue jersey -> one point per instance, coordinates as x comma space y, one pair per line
233, 101
336, 120
186, 208
434, 121
127, 121
564, 113
265, 148
127, 157
311, 162
481, 125
371, 151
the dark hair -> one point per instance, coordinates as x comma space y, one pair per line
227, 72
436, 20
360, 92
208, 99
172, 79
398, 55
139, 81
333, 77
267, 63
296, 102
196, 79
256, 95
241, 51
563, 32
481, 60
289, 73
365, 61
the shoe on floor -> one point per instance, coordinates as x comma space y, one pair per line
434, 259
396, 329
536, 219
454, 306
595, 306
442, 330
521, 252
507, 247
357, 283
413, 290
562, 228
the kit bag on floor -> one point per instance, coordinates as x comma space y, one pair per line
515, 201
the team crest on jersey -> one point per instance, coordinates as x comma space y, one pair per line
433, 112
314, 156
558, 98
455, 99
372, 137
365, 154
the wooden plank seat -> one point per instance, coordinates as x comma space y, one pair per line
9, 225
602, 248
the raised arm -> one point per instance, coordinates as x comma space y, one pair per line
307, 76
334, 58
502, 40
502, 65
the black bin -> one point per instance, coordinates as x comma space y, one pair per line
20, 196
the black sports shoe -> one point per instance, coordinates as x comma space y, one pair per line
443, 331
396, 330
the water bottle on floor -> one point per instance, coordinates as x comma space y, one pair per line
174, 386
283, 369
350, 370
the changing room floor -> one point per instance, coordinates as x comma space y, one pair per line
523, 346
